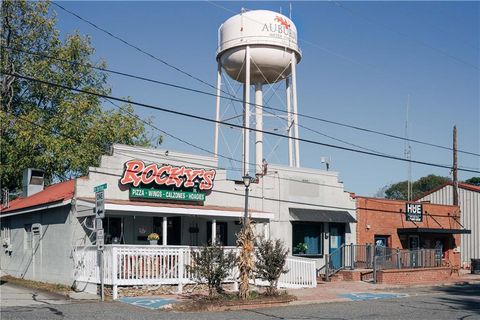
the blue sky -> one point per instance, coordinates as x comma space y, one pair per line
361, 60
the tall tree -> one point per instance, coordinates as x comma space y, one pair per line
399, 191
60, 131
473, 181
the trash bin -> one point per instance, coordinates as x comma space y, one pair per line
475, 266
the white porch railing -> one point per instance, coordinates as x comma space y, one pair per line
157, 265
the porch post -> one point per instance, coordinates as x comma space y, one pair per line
266, 230
164, 231
214, 231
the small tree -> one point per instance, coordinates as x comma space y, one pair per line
271, 257
211, 264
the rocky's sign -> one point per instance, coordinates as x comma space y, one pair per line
136, 173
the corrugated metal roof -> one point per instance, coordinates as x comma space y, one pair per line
57, 192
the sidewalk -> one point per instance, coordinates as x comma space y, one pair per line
336, 291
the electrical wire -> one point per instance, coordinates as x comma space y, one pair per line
233, 98
205, 119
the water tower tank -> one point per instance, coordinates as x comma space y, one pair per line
272, 37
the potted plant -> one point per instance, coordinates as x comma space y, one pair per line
153, 238
300, 248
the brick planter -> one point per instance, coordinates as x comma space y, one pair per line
405, 276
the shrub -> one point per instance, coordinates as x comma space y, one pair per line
271, 257
212, 265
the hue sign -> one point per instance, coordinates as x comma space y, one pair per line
414, 212
176, 183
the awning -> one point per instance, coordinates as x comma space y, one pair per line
316, 215
169, 209
432, 230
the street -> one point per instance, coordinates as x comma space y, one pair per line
454, 302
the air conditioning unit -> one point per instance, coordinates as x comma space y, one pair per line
37, 229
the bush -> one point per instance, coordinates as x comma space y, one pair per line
271, 257
212, 265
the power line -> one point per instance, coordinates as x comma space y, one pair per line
136, 47
235, 99
78, 141
198, 117
212, 86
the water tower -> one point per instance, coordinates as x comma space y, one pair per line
260, 48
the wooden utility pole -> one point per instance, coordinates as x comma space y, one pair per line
455, 168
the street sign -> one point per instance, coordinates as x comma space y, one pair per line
100, 204
100, 188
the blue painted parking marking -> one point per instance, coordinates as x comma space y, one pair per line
147, 302
361, 296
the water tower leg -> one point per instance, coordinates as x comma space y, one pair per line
288, 91
295, 110
217, 111
258, 126
246, 113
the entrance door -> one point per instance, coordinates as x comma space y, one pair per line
337, 239
414, 245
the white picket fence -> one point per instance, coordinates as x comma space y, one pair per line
126, 265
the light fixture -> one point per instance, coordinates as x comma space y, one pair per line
247, 180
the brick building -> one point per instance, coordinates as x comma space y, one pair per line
404, 225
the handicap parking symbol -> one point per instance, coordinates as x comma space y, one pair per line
147, 302
362, 296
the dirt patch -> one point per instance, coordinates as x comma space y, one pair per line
50, 287
229, 301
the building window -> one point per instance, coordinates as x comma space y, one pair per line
307, 239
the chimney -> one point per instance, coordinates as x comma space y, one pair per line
33, 181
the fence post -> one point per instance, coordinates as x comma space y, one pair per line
399, 264
374, 269
181, 268
352, 256
327, 265
114, 273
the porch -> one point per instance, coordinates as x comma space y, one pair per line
130, 222
129, 265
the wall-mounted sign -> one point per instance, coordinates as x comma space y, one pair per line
167, 182
414, 212
166, 194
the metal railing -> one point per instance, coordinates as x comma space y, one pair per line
406, 259
347, 256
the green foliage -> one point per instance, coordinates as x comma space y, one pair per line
300, 248
211, 264
475, 181
75, 130
399, 190
271, 257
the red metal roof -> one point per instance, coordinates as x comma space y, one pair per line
57, 192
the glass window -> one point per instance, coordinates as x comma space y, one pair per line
307, 238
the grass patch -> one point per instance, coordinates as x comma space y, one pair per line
37, 285
227, 301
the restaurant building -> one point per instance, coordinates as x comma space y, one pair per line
410, 225
185, 198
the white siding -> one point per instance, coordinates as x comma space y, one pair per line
469, 202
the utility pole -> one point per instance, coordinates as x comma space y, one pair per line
455, 167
